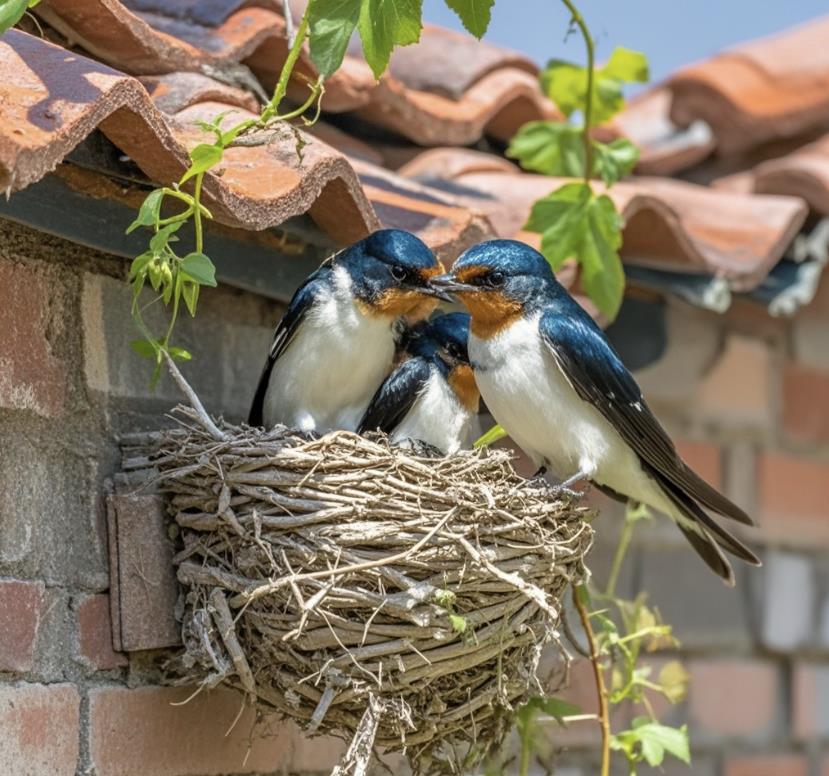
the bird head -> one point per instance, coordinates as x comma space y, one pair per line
390, 272
497, 281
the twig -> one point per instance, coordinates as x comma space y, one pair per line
194, 400
601, 689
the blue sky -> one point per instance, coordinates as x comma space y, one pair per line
670, 32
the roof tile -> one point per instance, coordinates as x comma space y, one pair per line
772, 88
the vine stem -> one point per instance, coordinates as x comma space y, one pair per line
197, 213
601, 689
618, 558
588, 100
288, 68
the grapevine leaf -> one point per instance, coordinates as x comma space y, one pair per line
656, 739
475, 14
493, 435
149, 210
332, 24
627, 65
573, 221
144, 348
384, 24
199, 269
565, 84
549, 148
202, 158
613, 161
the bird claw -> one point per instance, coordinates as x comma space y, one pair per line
566, 491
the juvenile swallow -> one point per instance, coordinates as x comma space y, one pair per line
336, 341
431, 396
555, 384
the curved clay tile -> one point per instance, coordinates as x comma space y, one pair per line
803, 173
668, 223
52, 99
768, 89
166, 37
173, 92
452, 162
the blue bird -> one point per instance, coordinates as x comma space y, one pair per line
431, 396
336, 341
555, 384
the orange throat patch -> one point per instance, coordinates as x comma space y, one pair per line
491, 311
462, 382
396, 302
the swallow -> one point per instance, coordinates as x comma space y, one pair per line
336, 342
553, 381
431, 396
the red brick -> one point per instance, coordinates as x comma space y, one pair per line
767, 765
31, 376
139, 731
95, 634
794, 499
39, 726
810, 702
805, 411
733, 698
21, 607
704, 458
737, 390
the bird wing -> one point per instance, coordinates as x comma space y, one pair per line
599, 377
395, 397
286, 330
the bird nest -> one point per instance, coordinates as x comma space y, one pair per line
367, 591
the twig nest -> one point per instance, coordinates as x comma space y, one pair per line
366, 591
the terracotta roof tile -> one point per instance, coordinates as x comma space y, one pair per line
668, 223
173, 92
665, 147
52, 99
772, 88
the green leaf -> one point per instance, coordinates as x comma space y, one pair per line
202, 158
627, 65
149, 210
199, 269
459, 624
549, 148
444, 598
11, 12
573, 221
656, 739
163, 236
556, 708
384, 24
139, 264
332, 24
190, 292
475, 14
565, 84
613, 161
179, 354
144, 348
493, 435
674, 680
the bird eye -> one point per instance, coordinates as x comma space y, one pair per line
496, 279
399, 272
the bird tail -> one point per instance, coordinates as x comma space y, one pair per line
707, 537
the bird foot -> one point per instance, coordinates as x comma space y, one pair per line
564, 490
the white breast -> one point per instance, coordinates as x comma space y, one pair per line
531, 398
437, 418
329, 373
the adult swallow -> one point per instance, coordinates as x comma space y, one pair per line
431, 396
555, 384
336, 341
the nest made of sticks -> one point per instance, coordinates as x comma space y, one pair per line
390, 598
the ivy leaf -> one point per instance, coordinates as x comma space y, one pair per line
149, 210
674, 680
384, 24
549, 148
202, 158
475, 14
613, 161
573, 221
144, 348
627, 65
332, 24
656, 739
493, 435
199, 269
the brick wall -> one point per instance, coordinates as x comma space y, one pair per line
747, 398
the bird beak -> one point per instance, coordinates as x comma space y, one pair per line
443, 286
